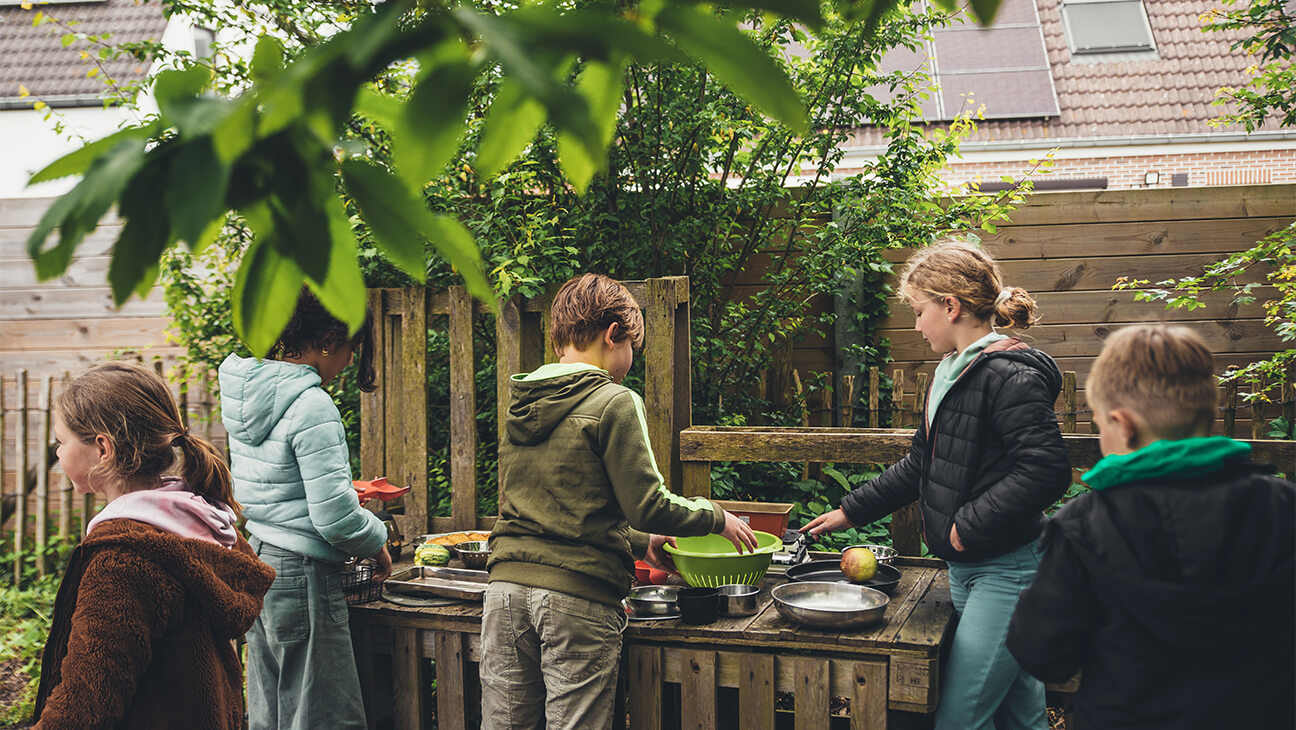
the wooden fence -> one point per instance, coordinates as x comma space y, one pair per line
37, 501
394, 418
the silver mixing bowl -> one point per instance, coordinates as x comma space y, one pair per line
654, 600
473, 553
829, 605
883, 553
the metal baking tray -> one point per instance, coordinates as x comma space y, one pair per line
429, 580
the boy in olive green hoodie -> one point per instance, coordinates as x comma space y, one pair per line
579, 485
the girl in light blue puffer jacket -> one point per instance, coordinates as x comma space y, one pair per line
292, 475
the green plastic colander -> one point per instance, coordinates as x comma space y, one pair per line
711, 560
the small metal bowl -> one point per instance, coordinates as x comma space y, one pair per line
654, 600
829, 605
473, 553
883, 553
738, 600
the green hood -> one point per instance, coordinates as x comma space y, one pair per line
544, 397
1162, 459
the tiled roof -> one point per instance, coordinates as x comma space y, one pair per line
34, 56
1170, 94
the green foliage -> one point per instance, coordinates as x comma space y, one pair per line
26, 610
1270, 30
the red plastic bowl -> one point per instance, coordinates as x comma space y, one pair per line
642, 572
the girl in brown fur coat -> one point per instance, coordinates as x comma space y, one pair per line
153, 596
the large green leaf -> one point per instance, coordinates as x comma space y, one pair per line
147, 232
804, 11
197, 196
267, 59
431, 124
265, 292
79, 211
601, 85
177, 85
511, 123
502, 40
737, 61
595, 36
237, 131
342, 292
381, 108
75, 163
397, 218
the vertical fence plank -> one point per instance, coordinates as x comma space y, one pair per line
2, 451
508, 362
406, 456
183, 403
897, 399
20, 466
463, 413
65, 486
407, 678
87, 511
1230, 408
1258, 425
372, 405
848, 401
873, 397
659, 373
698, 689
681, 365
42, 471
869, 700
756, 689
811, 697
646, 688
1289, 404
1069, 402
920, 400
450, 685
696, 479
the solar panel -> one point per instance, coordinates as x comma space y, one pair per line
1004, 67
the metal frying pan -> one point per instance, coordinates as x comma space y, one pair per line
887, 578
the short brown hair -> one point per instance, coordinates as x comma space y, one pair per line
1164, 374
313, 327
956, 268
133, 407
586, 305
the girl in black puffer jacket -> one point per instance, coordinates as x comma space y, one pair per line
985, 462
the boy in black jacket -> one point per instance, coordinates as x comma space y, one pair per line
1173, 585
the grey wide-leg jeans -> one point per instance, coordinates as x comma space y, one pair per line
301, 670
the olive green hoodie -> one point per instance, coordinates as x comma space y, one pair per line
576, 474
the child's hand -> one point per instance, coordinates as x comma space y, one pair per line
657, 557
827, 522
383, 570
954, 538
739, 533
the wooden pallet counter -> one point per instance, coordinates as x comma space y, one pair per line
893, 665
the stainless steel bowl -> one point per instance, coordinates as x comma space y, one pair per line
829, 605
473, 553
738, 600
654, 600
883, 553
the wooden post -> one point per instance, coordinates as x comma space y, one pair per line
463, 414
681, 365
1230, 408
645, 680
848, 401
87, 511
20, 504
811, 693
696, 479
508, 362
2, 454
1289, 404
1258, 425
183, 403
756, 689
373, 405
42, 472
920, 400
803, 399
1069, 402
65, 490
897, 399
659, 376
873, 397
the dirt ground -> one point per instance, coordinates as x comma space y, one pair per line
13, 678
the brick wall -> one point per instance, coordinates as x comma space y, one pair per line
1215, 168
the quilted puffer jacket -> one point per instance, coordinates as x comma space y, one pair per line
990, 462
290, 462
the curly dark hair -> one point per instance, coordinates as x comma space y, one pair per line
312, 327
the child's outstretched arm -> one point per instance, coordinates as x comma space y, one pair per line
331, 500
121, 612
1055, 617
1039, 470
639, 488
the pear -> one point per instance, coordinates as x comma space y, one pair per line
859, 564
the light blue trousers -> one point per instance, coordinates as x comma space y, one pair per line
982, 688
301, 670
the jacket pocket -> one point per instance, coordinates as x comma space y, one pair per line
285, 614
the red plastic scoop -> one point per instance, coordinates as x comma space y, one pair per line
378, 489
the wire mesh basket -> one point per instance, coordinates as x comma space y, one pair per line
358, 584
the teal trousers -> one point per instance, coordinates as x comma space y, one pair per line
301, 670
982, 688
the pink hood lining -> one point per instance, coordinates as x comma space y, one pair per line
176, 509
